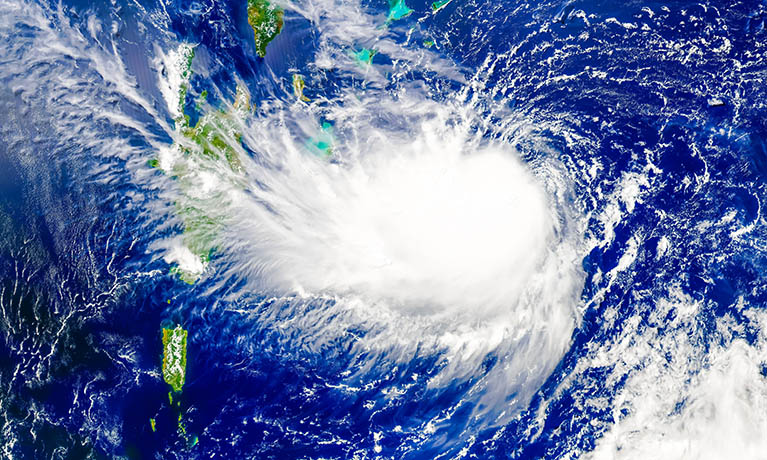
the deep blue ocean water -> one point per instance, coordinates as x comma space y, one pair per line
654, 111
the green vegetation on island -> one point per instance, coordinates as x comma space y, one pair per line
198, 161
298, 87
174, 342
439, 4
210, 144
181, 426
213, 136
187, 56
266, 19
174, 357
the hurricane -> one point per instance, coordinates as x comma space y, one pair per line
353, 229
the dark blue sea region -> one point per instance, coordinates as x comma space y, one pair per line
396, 230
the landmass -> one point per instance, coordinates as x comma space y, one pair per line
198, 160
298, 87
174, 342
438, 5
174, 358
266, 19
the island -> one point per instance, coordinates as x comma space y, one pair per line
266, 19
174, 357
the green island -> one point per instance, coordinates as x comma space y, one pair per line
174, 341
209, 144
298, 87
439, 4
174, 357
187, 56
201, 152
204, 159
266, 20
